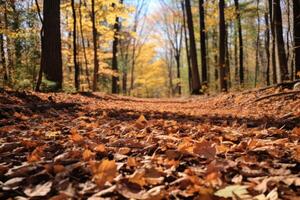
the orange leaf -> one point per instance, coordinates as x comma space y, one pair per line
100, 148
131, 162
103, 172
87, 155
75, 137
141, 122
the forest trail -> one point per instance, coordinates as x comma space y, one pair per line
92, 145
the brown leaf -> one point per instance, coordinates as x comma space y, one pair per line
205, 149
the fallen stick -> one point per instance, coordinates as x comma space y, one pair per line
277, 94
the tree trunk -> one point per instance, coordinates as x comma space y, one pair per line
2, 52
95, 39
257, 45
115, 79
273, 46
51, 44
76, 64
87, 73
177, 58
196, 85
203, 43
9, 56
241, 48
187, 47
216, 64
280, 50
222, 47
296, 9
267, 46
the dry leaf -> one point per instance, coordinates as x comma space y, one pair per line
87, 154
103, 172
39, 190
234, 191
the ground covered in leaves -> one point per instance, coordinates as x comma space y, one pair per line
96, 146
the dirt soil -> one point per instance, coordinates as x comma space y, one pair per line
97, 146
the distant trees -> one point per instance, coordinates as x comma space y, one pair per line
253, 36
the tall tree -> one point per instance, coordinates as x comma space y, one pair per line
115, 78
241, 47
257, 44
76, 64
273, 46
87, 73
187, 47
267, 46
203, 43
2, 50
196, 85
296, 9
280, 50
222, 46
95, 46
51, 43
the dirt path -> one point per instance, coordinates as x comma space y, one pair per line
97, 146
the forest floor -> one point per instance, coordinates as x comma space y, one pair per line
97, 146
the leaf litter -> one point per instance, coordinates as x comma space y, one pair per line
97, 146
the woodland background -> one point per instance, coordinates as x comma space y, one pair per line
148, 48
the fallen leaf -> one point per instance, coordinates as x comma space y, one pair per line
103, 172
234, 191
87, 154
39, 190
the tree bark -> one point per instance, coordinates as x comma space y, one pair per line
222, 47
76, 64
2, 52
95, 39
273, 46
296, 9
241, 48
187, 47
257, 45
51, 44
267, 46
203, 43
87, 73
115, 79
196, 85
280, 50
